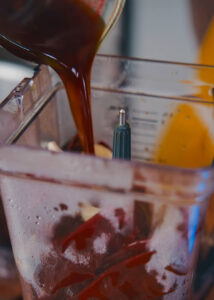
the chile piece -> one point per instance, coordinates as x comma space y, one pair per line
73, 278
129, 278
85, 232
125, 253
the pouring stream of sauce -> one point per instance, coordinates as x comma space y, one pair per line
63, 34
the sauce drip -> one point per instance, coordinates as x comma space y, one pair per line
63, 34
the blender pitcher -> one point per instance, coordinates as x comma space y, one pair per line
130, 231
149, 210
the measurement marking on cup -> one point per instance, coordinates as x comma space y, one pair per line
136, 133
144, 120
151, 144
142, 158
145, 126
149, 151
145, 112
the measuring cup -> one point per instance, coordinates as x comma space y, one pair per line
14, 12
87, 228
156, 94
162, 98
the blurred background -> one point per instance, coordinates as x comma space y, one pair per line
181, 31
162, 30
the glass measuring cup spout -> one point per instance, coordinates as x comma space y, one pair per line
111, 15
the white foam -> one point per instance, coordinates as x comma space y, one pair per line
100, 243
76, 256
170, 248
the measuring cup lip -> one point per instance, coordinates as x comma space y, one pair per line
130, 72
139, 59
179, 169
155, 166
140, 181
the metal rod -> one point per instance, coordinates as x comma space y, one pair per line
122, 117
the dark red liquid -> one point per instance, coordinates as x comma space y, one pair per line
63, 34
117, 273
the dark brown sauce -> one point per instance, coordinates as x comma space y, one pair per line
64, 34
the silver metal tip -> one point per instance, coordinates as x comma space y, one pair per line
122, 117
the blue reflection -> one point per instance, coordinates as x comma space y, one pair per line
201, 187
206, 174
193, 225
